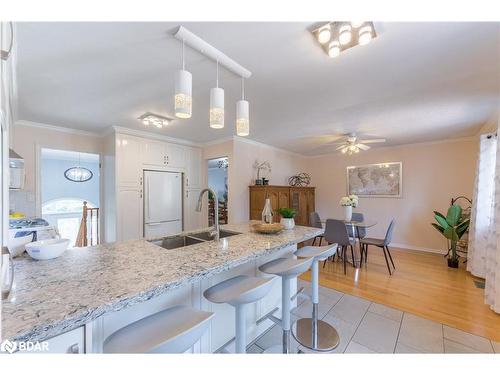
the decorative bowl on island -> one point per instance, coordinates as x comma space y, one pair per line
47, 249
268, 228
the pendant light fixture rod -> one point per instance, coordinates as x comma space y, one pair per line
206, 49
217, 79
242, 88
183, 65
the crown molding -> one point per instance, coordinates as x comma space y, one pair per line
61, 129
144, 134
260, 144
217, 141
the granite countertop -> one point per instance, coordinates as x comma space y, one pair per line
54, 296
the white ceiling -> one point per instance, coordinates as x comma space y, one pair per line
416, 82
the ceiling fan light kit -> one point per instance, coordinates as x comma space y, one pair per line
353, 145
335, 37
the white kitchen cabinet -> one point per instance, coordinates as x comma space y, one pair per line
72, 342
154, 153
161, 154
176, 155
193, 168
128, 160
192, 218
130, 217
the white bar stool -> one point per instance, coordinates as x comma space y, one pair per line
311, 332
174, 330
239, 291
287, 269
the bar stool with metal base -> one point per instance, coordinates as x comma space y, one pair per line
173, 330
239, 291
311, 332
287, 269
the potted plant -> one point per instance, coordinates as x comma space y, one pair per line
347, 204
452, 226
287, 215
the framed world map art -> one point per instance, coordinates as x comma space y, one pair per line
376, 180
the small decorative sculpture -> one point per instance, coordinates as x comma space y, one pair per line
266, 166
302, 179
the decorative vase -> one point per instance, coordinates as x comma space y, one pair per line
287, 223
347, 213
267, 212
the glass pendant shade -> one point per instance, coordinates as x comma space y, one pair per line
345, 34
324, 34
183, 94
78, 174
217, 108
365, 35
242, 118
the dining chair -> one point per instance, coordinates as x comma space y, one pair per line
336, 232
361, 231
383, 243
315, 221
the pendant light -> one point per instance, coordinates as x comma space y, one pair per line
183, 91
78, 173
242, 113
217, 105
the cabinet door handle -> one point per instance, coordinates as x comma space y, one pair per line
140, 181
74, 349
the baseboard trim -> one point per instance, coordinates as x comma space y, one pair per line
418, 248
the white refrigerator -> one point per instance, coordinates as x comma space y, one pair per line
162, 203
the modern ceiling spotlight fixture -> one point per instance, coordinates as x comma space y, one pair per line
324, 34
334, 49
183, 101
150, 119
217, 105
344, 35
242, 113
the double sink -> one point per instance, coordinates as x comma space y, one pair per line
176, 242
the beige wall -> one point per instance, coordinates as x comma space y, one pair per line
432, 174
26, 140
242, 155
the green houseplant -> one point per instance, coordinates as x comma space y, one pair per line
287, 215
452, 226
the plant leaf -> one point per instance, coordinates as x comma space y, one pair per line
451, 234
441, 220
438, 227
462, 228
454, 214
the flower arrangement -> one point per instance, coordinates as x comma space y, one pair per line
350, 200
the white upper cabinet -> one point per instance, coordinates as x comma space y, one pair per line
128, 160
160, 154
176, 155
193, 168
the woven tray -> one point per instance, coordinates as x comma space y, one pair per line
268, 228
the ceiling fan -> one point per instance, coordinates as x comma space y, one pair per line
352, 145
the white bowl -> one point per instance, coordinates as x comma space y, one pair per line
47, 249
16, 244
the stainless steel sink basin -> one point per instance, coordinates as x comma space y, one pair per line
206, 235
170, 243
175, 242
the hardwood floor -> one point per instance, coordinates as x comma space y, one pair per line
422, 284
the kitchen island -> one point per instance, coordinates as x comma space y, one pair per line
89, 293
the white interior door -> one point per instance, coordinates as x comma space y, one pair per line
163, 196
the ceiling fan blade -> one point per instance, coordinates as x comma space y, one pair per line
363, 147
341, 147
379, 140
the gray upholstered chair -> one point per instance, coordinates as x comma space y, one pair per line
336, 232
315, 221
383, 243
353, 233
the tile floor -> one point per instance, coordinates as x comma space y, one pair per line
368, 327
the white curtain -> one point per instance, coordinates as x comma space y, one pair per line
484, 234
482, 206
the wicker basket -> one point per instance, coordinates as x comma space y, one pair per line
268, 228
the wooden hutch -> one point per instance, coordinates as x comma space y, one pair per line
301, 199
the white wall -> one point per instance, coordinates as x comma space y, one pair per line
27, 141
